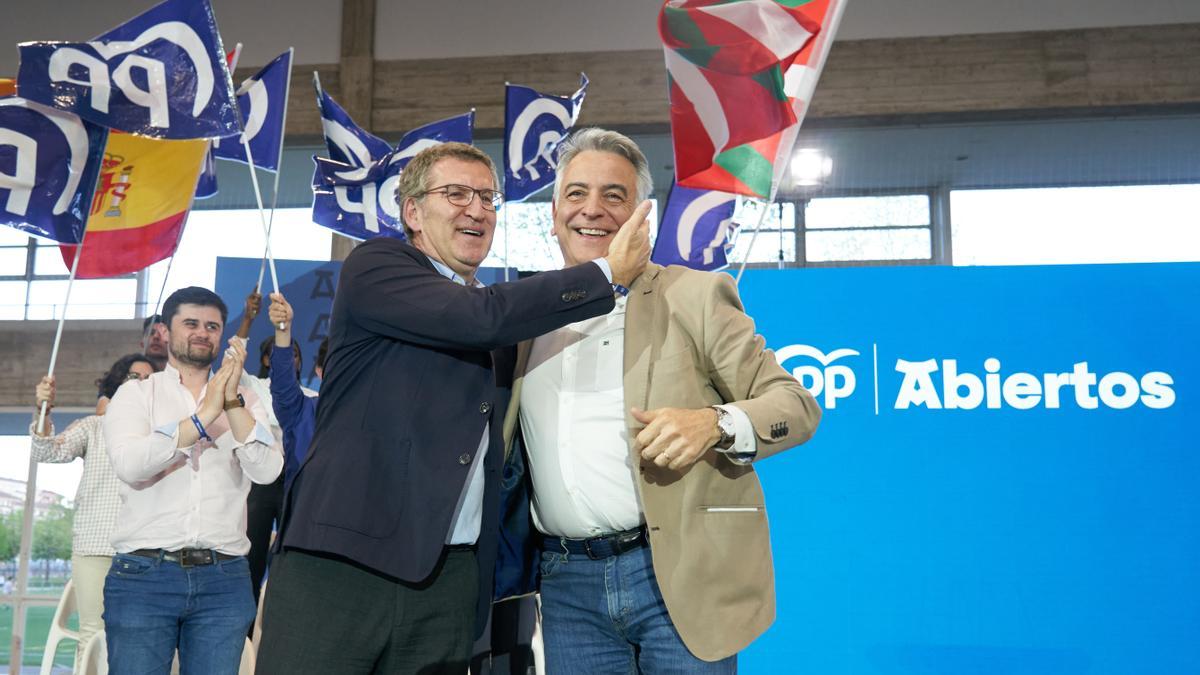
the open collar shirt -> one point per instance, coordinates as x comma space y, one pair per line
192, 497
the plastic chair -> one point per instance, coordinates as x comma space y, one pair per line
58, 627
95, 656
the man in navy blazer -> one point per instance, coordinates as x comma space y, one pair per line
390, 529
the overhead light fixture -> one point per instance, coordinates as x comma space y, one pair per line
810, 166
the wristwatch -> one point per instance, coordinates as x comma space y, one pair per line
725, 426
232, 403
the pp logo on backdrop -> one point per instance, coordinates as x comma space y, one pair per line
834, 382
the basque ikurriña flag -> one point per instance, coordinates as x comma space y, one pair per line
535, 124
361, 202
696, 229
262, 102
741, 74
49, 160
161, 74
140, 205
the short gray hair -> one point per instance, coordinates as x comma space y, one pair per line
603, 140
414, 179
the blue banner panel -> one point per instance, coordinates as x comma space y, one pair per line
309, 287
1005, 480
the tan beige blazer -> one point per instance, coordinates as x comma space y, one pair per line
688, 344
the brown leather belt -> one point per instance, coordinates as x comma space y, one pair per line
185, 557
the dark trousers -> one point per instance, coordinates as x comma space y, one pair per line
264, 506
326, 615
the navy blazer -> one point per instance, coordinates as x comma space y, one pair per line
417, 366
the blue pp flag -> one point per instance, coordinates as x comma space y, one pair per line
206, 186
262, 101
49, 161
347, 142
460, 128
357, 202
695, 229
534, 125
161, 74
360, 202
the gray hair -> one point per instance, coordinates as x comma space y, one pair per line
414, 180
603, 140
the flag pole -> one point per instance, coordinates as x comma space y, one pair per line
766, 206
287, 92
262, 215
41, 425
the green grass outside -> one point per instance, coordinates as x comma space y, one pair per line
37, 628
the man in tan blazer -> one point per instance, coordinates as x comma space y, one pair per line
640, 429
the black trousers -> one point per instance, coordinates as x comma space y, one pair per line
327, 615
264, 507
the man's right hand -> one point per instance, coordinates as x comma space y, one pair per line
280, 313
630, 249
214, 396
44, 392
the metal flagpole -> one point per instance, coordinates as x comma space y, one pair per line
287, 92
262, 215
67, 300
766, 206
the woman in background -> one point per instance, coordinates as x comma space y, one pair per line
97, 500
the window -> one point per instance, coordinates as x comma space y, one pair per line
868, 229
1040, 226
776, 238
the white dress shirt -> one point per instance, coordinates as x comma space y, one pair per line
192, 497
573, 421
468, 512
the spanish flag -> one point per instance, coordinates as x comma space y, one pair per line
140, 205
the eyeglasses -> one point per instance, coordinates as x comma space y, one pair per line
131, 375
461, 195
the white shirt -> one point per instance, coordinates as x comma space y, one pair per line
573, 421
468, 512
191, 497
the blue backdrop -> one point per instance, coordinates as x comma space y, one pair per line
1004, 533
988, 540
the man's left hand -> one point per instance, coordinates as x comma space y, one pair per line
676, 437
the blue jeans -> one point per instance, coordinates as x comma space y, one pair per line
607, 616
152, 606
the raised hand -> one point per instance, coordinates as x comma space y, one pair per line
280, 313
630, 249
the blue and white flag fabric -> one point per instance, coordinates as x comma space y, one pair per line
535, 124
695, 229
161, 74
262, 101
348, 143
360, 202
357, 202
206, 186
460, 129
49, 162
